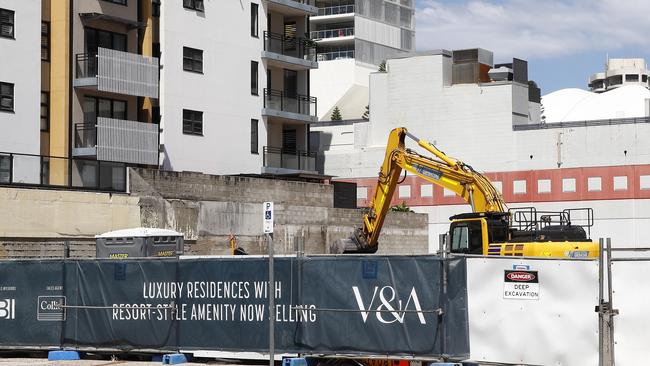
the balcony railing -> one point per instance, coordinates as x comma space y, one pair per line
276, 157
301, 48
332, 33
118, 140
281, 101
28, 170
85, 135
335, 10
118, 72
335, 55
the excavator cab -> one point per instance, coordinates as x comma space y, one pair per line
470, 233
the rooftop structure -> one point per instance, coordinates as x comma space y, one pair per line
620, 72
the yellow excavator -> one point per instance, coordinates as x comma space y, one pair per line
490, 229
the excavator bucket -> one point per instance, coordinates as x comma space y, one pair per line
341, 246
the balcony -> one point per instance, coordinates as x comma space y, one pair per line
117, 72
333, 35
282, 161
294, 7
289, 52
336, 13
336, 10
290, 107
117, 140
335, 55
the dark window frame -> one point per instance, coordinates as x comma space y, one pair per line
111, 33
6, 172
45, 119
155, 8
194, 5
255, 136
191, 57
12, 15
45, 36
118, 2
255, 20
11, 97
192, 122
112, 102
255, 84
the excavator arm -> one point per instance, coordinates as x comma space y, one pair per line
441, 170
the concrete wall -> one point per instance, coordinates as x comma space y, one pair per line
208, 209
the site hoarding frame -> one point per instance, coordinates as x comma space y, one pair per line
354, 305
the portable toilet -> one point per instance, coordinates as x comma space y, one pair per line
139, 243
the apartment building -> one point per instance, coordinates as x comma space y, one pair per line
235, 86
208, 86
354, 37
20, 85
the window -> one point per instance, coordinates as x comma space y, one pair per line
594, 184
96, 38
543, 186
192, 122
6, 97
155, 49
192, 60
45, 111
519, 187
45, 170
620, 183
254, 20
644, 182
631, 77
254, 136
254, 88
45, 41
426, 190
6, 23
103, 107
193, 4
362, 193
119, 2
448, 193
498, 185
404, 191
155, 8
568, 184
5, 169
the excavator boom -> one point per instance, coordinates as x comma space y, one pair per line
441, 170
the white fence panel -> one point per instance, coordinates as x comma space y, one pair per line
552, 323
631, 296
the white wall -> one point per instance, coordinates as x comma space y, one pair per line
222, 92
333, 79
21, 66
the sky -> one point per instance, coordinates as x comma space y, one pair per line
564, 41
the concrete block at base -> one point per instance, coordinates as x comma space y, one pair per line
174, 359
294, 361
62, 355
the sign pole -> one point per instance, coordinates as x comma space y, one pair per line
267, 221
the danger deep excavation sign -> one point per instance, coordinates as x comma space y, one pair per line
521, 285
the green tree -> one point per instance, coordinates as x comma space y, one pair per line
402, 207
336, 114
382, 66
366, 114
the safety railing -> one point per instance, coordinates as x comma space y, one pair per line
85, 135
42, 171
298, 47
587, 123
335, 55
86, 65
276, 157
333, 33
294, 103
335, 10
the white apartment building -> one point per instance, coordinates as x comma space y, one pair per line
354, 37
494, 126
20, 85
234, 86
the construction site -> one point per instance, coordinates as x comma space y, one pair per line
289, 182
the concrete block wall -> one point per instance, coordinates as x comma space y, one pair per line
209, 209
